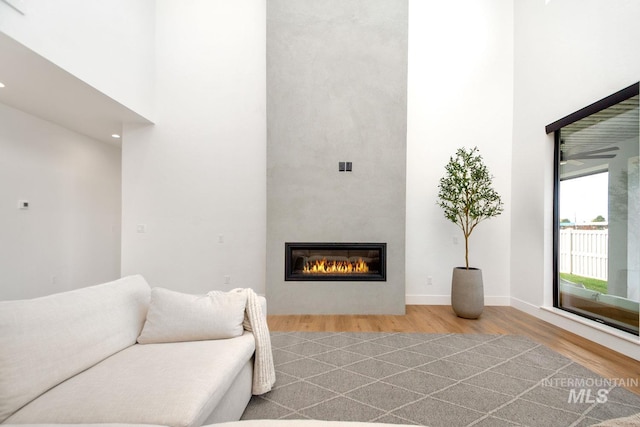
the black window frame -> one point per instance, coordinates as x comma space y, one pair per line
555, 127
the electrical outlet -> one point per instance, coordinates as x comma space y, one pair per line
429, 281
227, 280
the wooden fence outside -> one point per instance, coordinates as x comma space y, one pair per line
584, 252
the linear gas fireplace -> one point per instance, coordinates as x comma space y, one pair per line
335, 261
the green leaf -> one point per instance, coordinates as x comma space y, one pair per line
465, 192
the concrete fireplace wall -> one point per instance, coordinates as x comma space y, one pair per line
336, 91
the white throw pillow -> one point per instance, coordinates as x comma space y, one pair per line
174, 316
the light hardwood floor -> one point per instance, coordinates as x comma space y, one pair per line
494, 320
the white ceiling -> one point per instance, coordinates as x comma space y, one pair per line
39, 87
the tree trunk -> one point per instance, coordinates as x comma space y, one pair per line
466, 250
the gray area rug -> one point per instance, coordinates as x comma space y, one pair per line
434, 380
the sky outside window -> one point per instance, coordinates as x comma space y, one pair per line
583, 199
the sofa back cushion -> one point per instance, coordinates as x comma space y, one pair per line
44, 341
175, 316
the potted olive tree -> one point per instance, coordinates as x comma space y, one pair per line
467, 198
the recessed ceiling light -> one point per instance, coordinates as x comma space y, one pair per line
115, 135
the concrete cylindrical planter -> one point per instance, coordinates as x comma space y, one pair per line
467, 292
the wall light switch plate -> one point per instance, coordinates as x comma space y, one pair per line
349, 166
23, 204
341, 166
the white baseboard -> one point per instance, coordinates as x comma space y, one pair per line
446, 300
428, 299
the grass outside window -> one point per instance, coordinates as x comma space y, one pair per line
587, 282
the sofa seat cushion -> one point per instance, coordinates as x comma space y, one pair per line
82, 425
173, 384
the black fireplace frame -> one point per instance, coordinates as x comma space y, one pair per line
290, 275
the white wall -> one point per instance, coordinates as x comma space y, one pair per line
460, 94
69, 237
568, 54
107, 44
200, 172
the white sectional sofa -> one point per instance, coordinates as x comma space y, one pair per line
73, 358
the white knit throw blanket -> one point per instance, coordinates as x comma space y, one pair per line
264, 373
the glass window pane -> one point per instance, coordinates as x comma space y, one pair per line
599, 216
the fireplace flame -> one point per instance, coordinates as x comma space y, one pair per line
335, 267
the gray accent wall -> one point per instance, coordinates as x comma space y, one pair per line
336, 91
